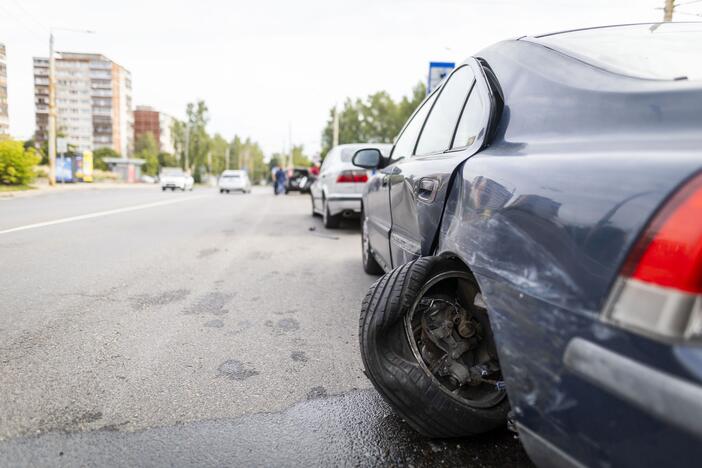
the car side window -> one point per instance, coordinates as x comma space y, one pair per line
441, 124
472, 120
404, 147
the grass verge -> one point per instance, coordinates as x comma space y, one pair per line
15, 188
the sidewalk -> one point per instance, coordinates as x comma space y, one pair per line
41, 187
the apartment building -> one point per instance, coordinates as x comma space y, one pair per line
149, 120
4, 116
93, 102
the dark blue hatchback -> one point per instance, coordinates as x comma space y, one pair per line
539, 221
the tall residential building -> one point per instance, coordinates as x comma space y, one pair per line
4, 117
93, 101
147, 119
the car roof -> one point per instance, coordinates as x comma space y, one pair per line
364, 145
233, 171
657, 51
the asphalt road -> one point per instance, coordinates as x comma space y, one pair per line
147, 328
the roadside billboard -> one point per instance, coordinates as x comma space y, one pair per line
64, 169
437, 72
84, 166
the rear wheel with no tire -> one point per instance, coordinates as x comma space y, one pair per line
428, 348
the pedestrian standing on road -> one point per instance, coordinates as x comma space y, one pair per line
280, 181
274, 171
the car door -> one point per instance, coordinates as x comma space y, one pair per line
454, 130
377, 199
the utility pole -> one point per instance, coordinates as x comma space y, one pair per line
52, 112
187, 145
290, 145
335, 137
668, 10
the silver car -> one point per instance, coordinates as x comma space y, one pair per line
232, 180
175, 178
337, 191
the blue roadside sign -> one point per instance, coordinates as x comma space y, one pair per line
64, 169
437, 72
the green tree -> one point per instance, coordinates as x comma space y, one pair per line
377, 119
218, 154
146, 148
249, 156
17, 163
299, 158
197, 137
275, 160
99, 156
167, 160
178, 140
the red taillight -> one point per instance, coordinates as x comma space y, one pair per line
659, 291
352, 176
670, 252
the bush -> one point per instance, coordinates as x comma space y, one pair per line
105, 176
16, 163
41, 171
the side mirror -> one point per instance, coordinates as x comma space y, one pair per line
368, 158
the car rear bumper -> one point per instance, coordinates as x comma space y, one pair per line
349, 204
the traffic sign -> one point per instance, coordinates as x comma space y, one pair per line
437, 72
61, 145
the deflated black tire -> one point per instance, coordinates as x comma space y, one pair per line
397, 359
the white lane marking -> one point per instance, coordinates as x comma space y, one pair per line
99, 214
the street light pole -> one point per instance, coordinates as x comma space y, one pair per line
335, 127
52, 112
187, 144
668, 10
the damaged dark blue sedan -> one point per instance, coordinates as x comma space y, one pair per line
540, 223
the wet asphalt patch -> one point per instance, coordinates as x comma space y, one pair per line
145, 301
353, 429
283, 325
207, 252
236, 370
211, 303
214, 324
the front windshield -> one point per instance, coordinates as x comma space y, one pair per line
172, 172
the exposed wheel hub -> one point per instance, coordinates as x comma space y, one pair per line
455, 345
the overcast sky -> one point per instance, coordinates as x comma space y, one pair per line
263, 65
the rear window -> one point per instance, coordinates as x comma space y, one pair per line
663, 51
231, 176
172, 172
348, 152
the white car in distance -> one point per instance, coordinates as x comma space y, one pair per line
175, 178
230, 181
